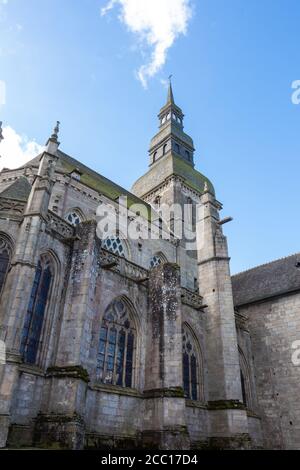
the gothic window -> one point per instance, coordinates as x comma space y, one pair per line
245, 381
39, 297
177, 148
190, 366
157, 201
115, 245
243, 389
191, 213
4, 262
115, 360
73, 218
155, 261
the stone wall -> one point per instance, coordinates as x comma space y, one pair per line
274, 325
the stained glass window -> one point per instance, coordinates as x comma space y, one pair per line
115, 361
155, 261
73, 218
4, 262
115, 245
190, 366
34, 319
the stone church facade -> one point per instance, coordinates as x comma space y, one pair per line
126, 342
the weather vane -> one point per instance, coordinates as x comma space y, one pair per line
170, 78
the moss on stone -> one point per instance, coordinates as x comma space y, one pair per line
77, 372
226, 405
172, 392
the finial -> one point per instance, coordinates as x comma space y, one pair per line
53, 143
54, 136
1, 134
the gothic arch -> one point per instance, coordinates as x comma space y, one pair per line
41, 311
6, 250
187, 330
118, 239
157, 259
245, 380
72, 213
118, 343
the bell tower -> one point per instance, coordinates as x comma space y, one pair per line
171, 137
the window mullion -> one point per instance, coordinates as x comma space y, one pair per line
191, 378
106, 353
125, 360
114, 380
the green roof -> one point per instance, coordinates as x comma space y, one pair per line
168, 166
94, 180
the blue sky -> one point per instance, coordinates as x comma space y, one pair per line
233, 70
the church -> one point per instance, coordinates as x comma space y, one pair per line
118, 342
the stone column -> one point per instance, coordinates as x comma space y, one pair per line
62, 421
164, 412
15, 298
228, 418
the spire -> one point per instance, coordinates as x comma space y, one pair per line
1, 135
170, 92
53, 143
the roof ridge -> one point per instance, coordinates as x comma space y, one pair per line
266, 264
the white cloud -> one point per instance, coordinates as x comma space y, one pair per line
157, 23
16, 150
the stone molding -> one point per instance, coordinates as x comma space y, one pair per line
226, 405
76, 372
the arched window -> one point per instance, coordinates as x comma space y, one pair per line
40, 293
177, 148
115, 360
157, 201
73, 218
243, 389
245, 381
165, 149
191, 213
154, 156
191, 364
114, 245
157, 260
4, 261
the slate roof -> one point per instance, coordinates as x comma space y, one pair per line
19, 190
277, 278
94, 180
